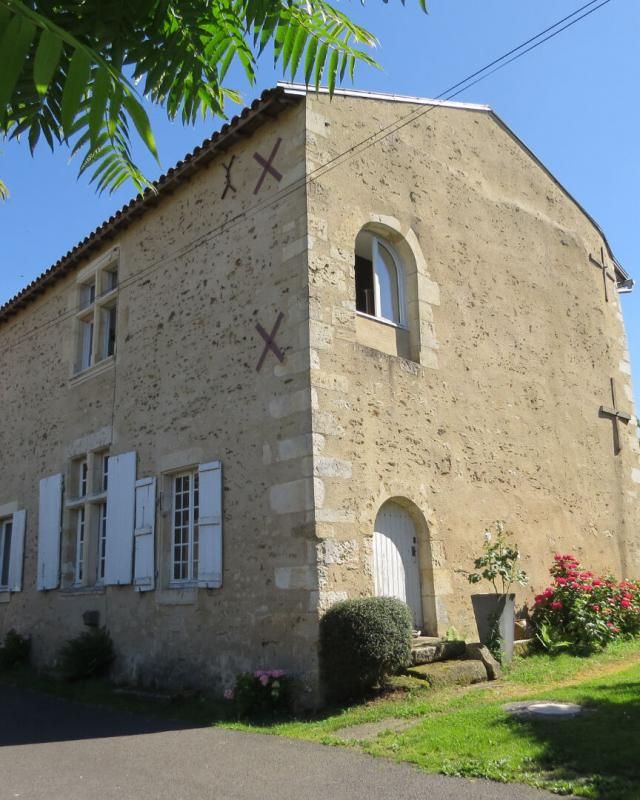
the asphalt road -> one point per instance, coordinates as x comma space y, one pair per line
51, 749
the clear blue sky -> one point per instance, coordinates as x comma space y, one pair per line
574, 101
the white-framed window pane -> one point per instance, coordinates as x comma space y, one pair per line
105, 472
108, 326
102, 540
80, 545
109, 280
6, 528
181, 526
86, 343
87, 295
83, 478
185, 538
387, 275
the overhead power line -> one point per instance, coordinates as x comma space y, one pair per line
448, 94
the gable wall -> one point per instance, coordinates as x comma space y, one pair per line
184, 390
499, 419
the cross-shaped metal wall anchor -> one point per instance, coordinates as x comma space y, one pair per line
266, 164
270, 344
615, 416
228, 185
602, 265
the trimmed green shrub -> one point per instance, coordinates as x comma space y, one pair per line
15, 651
362, 641
89, 655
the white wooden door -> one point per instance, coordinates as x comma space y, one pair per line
395, 554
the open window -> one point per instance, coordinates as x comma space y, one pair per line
379, 279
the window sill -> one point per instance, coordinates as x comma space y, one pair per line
382, 321
178, 594
90, 372
81, 591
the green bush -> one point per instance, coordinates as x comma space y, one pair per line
362, 641
263, 693
89, 655
15, 651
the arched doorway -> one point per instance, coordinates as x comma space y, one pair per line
396, 559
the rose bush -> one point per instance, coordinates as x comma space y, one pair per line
584, 612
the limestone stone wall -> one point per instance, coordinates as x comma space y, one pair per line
484, 408
494, 414
195, 276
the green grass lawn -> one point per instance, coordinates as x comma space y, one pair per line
466, 732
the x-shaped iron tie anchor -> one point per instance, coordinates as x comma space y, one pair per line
267, 166
270, 343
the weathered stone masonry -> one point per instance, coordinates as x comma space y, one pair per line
483, 407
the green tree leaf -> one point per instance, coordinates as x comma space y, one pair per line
74, 88
64, 67
14, 47
46, 60
141, 121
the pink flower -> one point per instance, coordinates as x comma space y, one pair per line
277, 673
229, 694
556, 605
264, 679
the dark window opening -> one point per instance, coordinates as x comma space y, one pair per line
364, 286
5, 555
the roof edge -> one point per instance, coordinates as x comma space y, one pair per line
624, 276
269, 105
299, 89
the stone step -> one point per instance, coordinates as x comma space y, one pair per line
450, 673
427, 649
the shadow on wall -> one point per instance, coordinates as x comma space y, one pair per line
37, 718
597, 749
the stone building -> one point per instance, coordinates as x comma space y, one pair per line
343, 338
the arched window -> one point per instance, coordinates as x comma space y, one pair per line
379, 279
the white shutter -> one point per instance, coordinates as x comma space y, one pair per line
16, 555
144, 535
210, 525
121, 498
49, 526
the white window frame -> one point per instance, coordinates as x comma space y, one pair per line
89, 480
5, 553
97, 293
102, 542
192, 529
81, 545
376, 242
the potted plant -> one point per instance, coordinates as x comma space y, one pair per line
495, 612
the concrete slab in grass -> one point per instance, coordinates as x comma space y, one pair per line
370, 730
450, 673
